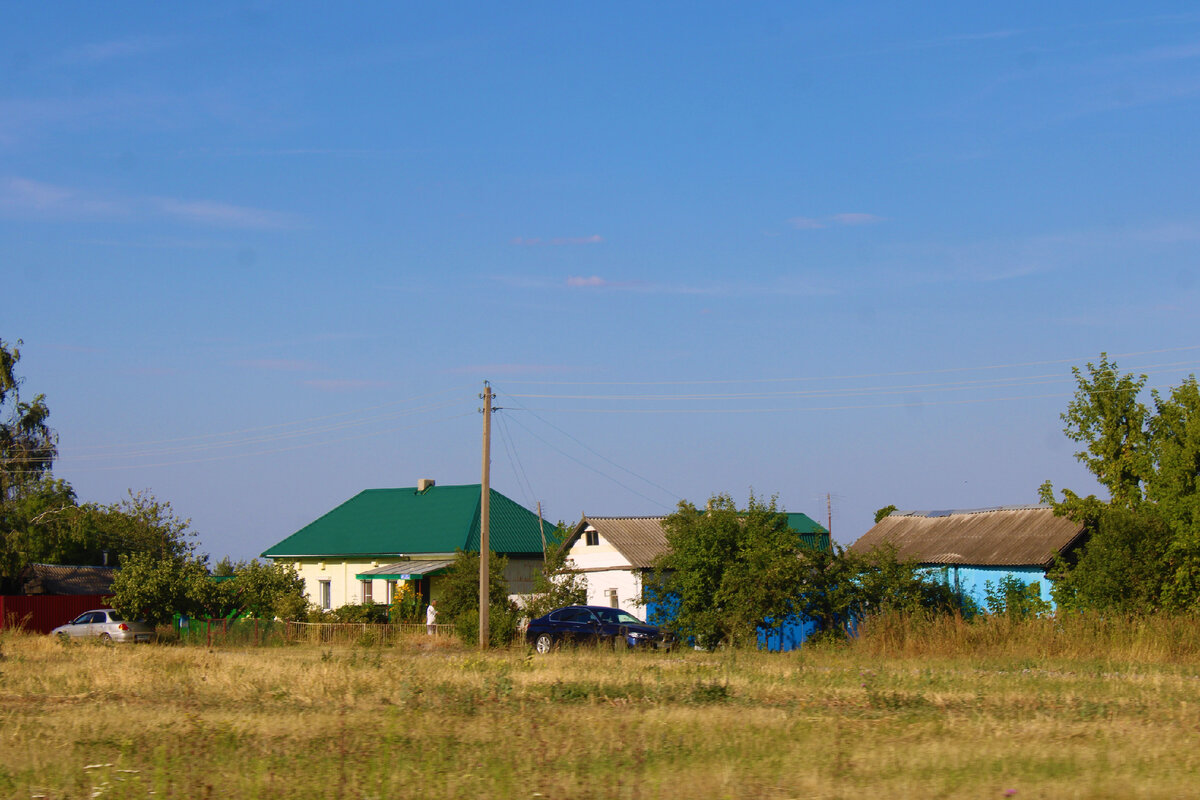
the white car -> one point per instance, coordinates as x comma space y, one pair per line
107, 626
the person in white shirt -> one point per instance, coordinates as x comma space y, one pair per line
431, 617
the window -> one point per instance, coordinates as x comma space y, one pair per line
391, 592
612, 598
366, 592
325, 601
593, 537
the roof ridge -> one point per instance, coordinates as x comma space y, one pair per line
940, 512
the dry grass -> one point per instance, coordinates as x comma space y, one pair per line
945, 716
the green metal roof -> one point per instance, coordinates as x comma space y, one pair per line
392, 522
812, 534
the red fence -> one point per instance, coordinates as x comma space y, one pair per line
43, 613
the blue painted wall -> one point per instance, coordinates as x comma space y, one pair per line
789, 637
970, 580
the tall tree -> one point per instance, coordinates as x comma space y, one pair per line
727, 571
28, 446
1175, 445
1107, 417
1144, 548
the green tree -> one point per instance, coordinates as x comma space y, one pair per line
557, 582
1143, 551
267, 591
459, 604
1124, 566
1012, 597
28, 446
1175, 445
884, 512
155, 588
727, 571
1108, 419
884, 582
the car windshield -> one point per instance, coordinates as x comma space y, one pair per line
618, 616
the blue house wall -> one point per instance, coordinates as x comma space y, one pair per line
970, 580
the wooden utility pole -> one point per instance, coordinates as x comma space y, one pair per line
829, 518
485, 516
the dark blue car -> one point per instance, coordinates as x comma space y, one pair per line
594, 624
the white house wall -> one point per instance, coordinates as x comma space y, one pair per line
606, 571
346, 589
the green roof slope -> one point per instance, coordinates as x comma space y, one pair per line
389, 522
812, 533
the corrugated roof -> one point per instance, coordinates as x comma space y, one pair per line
403, 570
60, 579
641, 539
395, 522
1004, 536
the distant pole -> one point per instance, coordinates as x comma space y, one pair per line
829, 512
485, 516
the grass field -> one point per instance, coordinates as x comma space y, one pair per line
1108, 710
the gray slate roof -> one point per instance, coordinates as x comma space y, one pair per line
639, 539
1004, 536
61, 579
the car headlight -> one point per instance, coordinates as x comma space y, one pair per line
638, 635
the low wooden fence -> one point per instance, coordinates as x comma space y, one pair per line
261, 631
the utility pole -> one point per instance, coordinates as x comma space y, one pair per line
829, 511
485, 516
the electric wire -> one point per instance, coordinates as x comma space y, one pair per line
586, 465
950, 386
674, 495
515, 461
260, 439
903, 373
307, 420
277, 450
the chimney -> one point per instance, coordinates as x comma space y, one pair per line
425, 483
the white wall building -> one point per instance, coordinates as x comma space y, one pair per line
614, 554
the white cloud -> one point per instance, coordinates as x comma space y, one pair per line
222, 214
817, 223
594, 281
595, 238
345, 385
279, 365
855, 219
23, 197
99, 52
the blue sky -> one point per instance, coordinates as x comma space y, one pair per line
264, 256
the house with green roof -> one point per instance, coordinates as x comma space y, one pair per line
361, 550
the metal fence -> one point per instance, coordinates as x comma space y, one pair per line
263, 632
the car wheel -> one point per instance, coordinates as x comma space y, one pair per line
544, 643
104, 637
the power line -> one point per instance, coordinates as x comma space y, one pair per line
674, 495
260, 439
279, 424
585, 464
279, 450
514, 461
859, 375
948, 386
